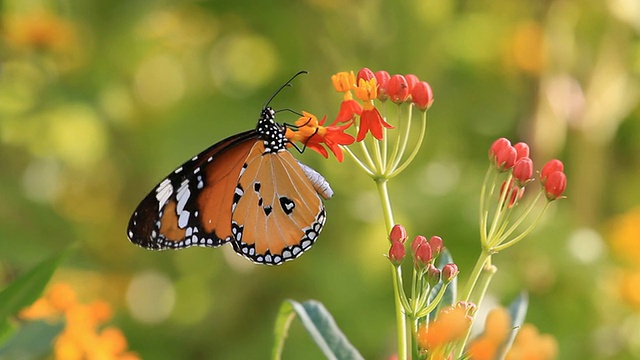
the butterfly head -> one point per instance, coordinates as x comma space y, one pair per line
272, 133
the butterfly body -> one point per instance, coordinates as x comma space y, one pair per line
247, 190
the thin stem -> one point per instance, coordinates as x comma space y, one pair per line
524, 233
405, 139
364, 167
484, 257
404, 341
423, 132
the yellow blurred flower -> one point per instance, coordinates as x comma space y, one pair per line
80, 339
624, 237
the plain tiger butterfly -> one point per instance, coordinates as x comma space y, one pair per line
247, 190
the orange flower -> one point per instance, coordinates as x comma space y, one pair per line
313, 134
80, 338
370, 118
450, 325
41, 31
344, 82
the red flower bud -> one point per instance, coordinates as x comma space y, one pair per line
496, 147
506, 158
417, 241
433, 275
382, 78
422, 95
550, 167
364, 73
396, 253
412, 80
423, 255
522, 149
398, 89
555, 184
515, 193
398, 233
523, 170
436, 244
449, 271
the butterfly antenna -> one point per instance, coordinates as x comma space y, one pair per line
288, 83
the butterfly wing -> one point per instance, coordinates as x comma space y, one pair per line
192, 205
277, 211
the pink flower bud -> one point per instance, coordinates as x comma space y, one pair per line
550, 167
417, 241
398, 233
449, 271
422, 95
506, 158
412, 80
396, 253
398, 89
496, 147
422, 255
522, 149
382, 77
555, 184
436, 245
433, 275
523, 171
365, 74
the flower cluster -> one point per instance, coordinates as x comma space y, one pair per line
514, 162
528, 343
450, 325
365, 113
80, 338
427, 278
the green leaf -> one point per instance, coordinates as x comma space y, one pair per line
319, 324
452, 289
518, 312
23, 291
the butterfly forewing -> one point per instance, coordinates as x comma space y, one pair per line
278, 213
192, 205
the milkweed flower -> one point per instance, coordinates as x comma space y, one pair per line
313, 134
81, 337
344, 82
370, 119
451, 324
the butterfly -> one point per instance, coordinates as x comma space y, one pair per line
247, 190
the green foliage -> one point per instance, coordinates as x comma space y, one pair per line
319, 324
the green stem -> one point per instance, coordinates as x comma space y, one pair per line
484, 257
404, 341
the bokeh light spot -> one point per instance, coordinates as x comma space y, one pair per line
586, 245
159, 81
150, 297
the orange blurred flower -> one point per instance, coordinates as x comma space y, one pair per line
80, 338
314, 134
40, 31
528, 344
450, 325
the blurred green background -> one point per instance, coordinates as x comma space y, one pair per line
101, 99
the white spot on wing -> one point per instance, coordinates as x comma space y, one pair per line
183, 219
163, 192
183, 196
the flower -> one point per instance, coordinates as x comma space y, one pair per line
436, 245
365, 74
370, 118
522, 149
506, 158
422, 255
555, 184
523, 170
398, 233
514, 193
496, 147
449, 272
396, 252
528, 344
422, 95
450, 324
382, 77
398, 89
344, 82
433, 274
81, 337
550, 167
313, 134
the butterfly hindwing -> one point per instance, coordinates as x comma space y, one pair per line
192, 205
278, 213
